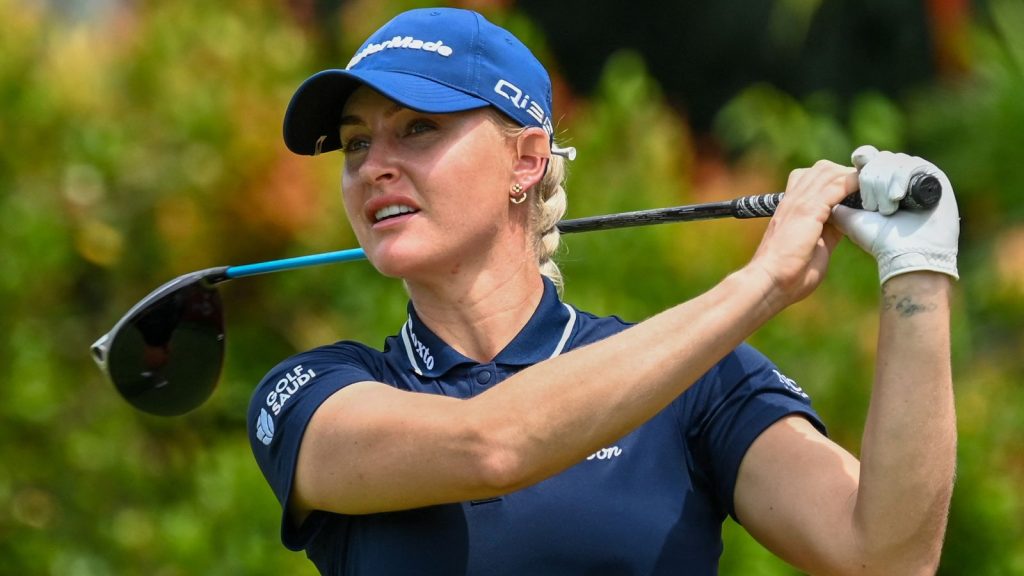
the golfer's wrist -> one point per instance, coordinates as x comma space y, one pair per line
927, 284
753, 285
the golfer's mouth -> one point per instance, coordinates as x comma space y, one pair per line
391, 212
389, 208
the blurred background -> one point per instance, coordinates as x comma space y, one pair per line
142, 140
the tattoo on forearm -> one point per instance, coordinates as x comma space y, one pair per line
905, 305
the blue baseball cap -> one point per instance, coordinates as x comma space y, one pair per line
433, 60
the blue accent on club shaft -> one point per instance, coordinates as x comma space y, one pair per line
297, 262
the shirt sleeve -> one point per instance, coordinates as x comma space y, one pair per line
731, 406
280, 409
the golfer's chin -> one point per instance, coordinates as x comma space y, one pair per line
401, 259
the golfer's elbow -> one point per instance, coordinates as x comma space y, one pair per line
916, 555
501, 464
500, 472
908, 565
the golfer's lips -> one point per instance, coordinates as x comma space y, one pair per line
387, 208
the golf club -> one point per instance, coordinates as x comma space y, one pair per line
164, 356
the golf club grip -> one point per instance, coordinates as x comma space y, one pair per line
923, 192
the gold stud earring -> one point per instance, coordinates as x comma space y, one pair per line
519, 195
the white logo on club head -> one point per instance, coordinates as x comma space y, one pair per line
265, 427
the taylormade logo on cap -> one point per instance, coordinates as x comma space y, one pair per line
407, 42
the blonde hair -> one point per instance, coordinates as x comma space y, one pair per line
547, 207
548, 203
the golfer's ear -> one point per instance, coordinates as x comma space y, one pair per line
533, 150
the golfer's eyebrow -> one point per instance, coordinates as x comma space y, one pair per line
356, 120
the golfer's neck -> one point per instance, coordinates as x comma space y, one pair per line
479, 315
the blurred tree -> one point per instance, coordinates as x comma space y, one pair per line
704, 53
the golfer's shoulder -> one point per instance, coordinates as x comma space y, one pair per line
745, 364
339, 356
590, 327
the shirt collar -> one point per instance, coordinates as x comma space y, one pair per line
545, 336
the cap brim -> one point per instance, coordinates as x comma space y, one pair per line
314, 113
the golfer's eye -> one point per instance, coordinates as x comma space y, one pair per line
420, 126
355, 144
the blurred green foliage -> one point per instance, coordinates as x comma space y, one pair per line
142, 141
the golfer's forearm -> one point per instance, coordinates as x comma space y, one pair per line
909, 447
553, 414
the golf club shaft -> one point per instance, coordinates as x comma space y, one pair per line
737, 208
924, 191
292, 263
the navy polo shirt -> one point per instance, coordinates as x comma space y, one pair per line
653, 502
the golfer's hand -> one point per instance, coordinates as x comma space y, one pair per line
900, 240
798, 243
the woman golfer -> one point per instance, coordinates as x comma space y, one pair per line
503, 431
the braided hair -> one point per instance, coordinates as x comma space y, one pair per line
548, 204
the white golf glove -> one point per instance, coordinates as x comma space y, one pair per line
900, 240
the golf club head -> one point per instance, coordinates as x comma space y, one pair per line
165, 355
